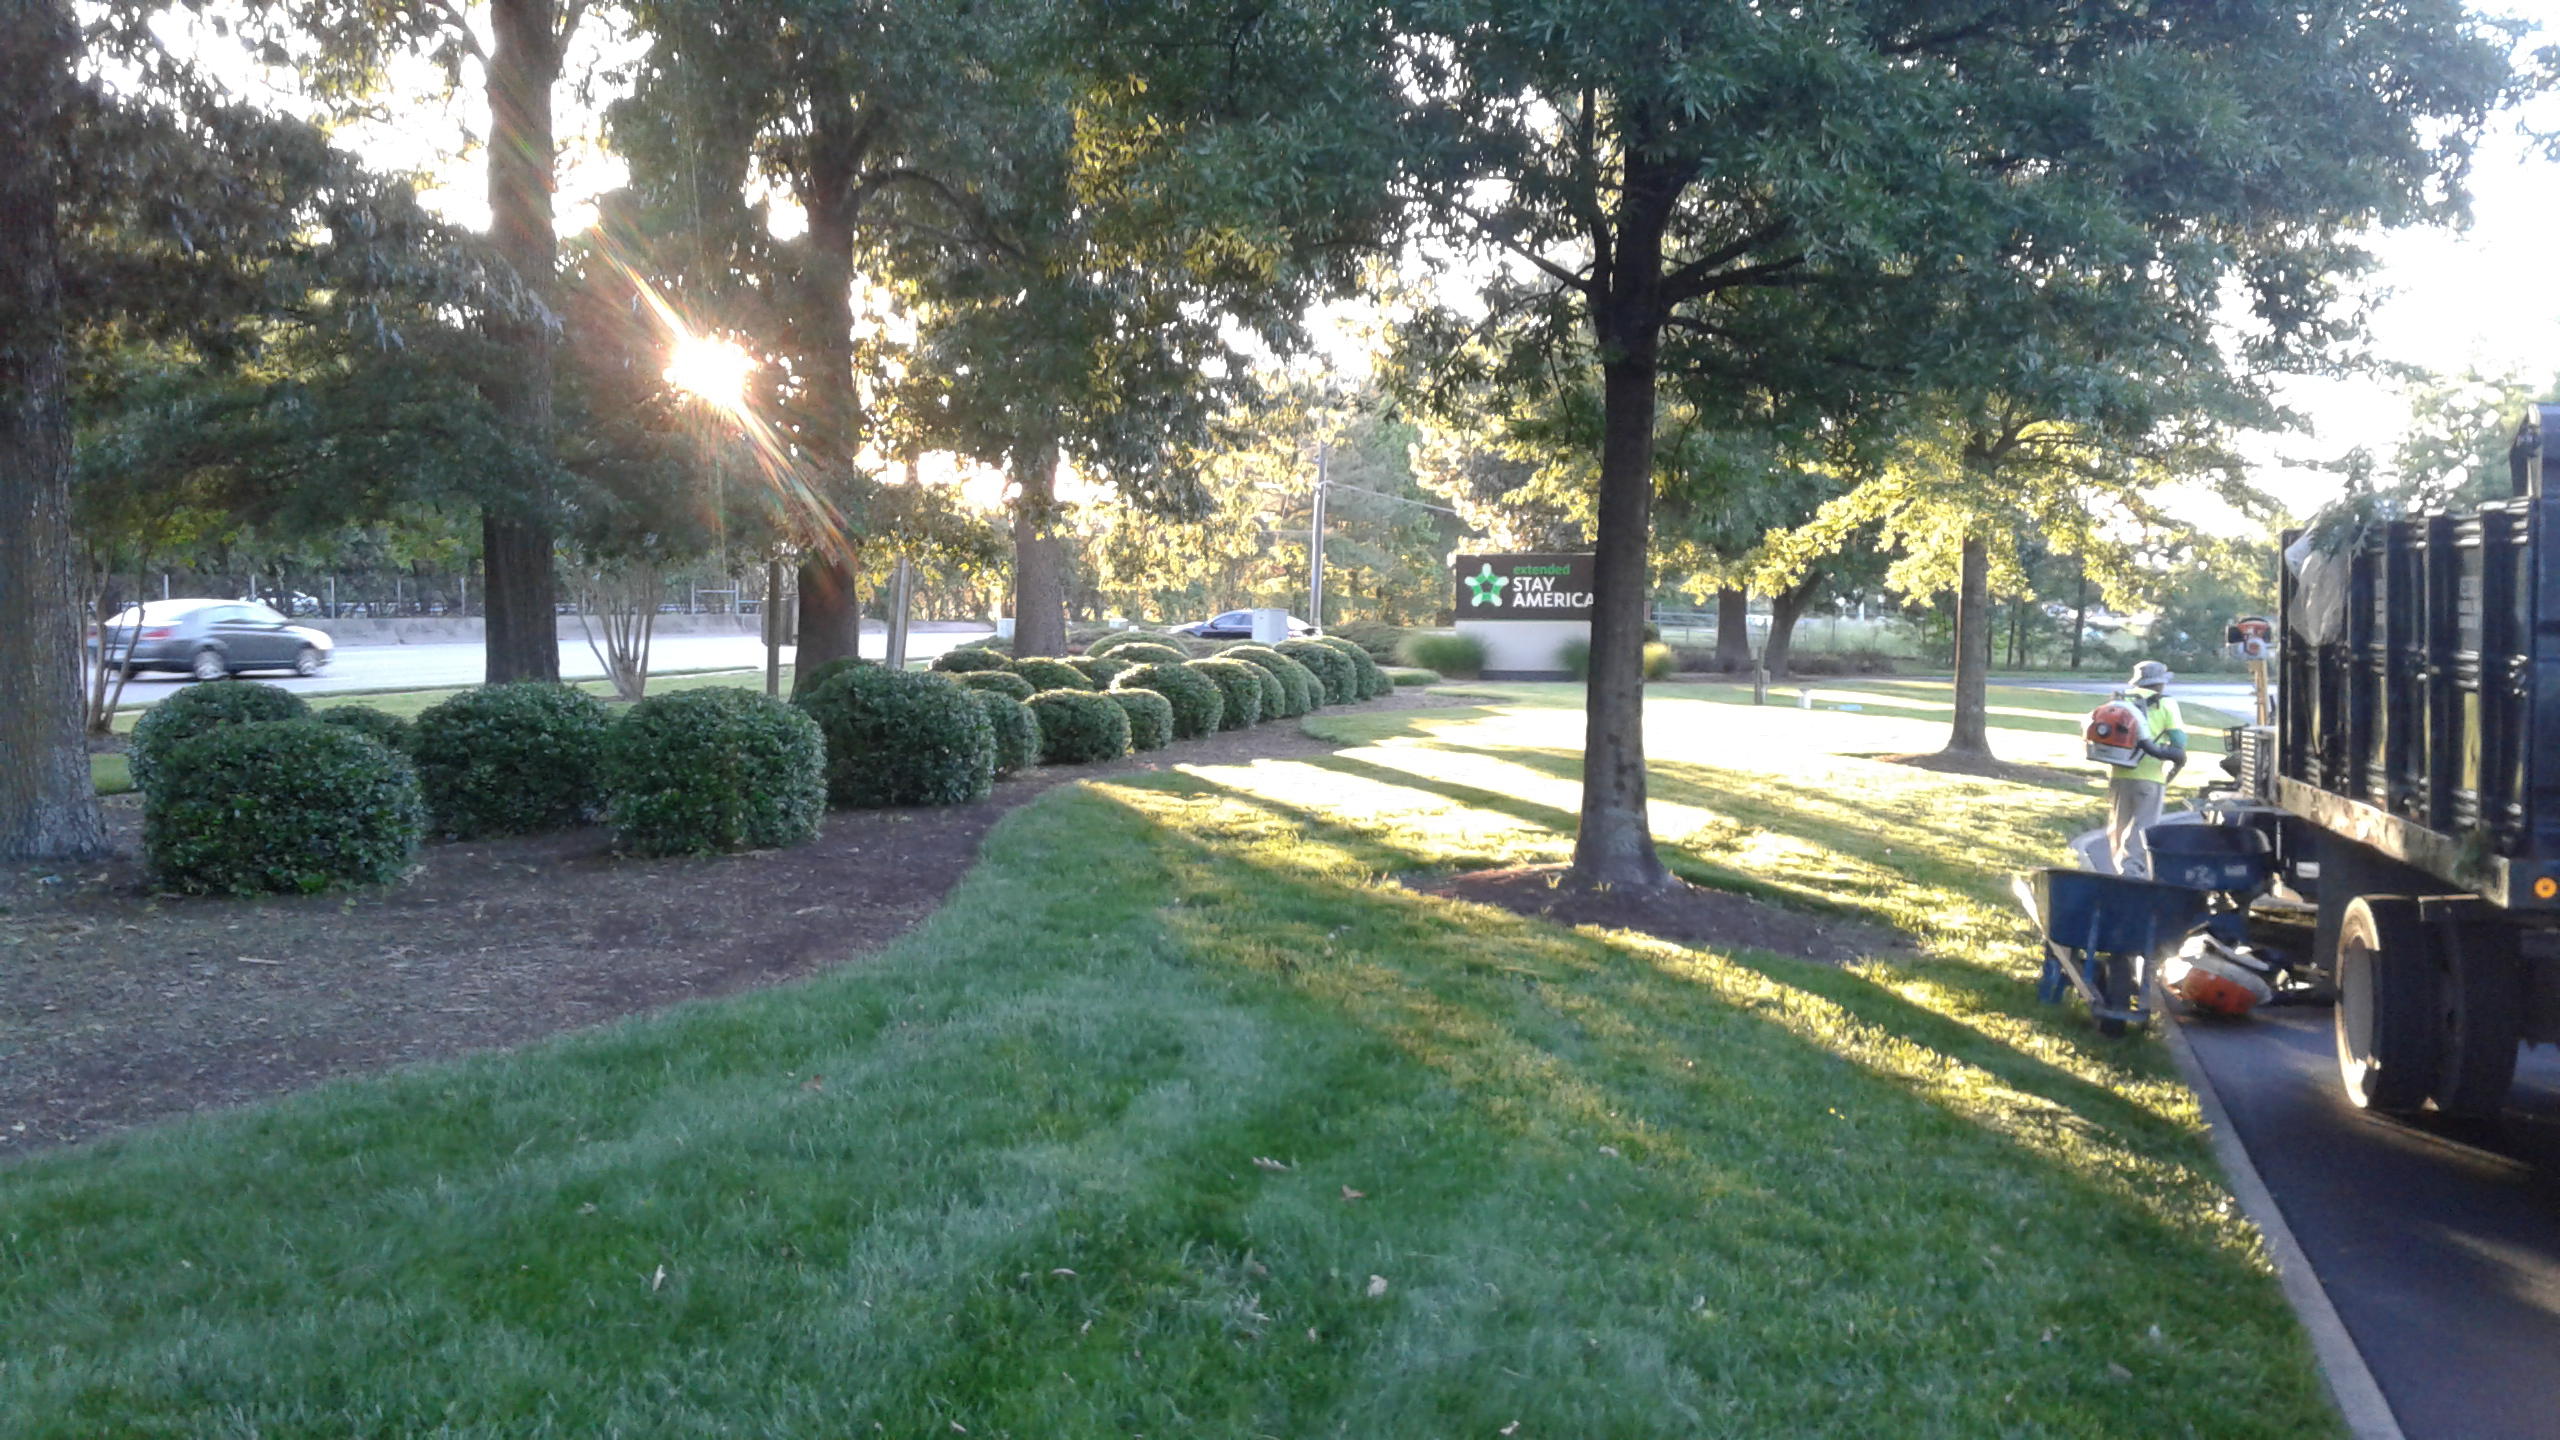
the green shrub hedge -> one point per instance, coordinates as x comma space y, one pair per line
1659, 660
807, 678
1197, 702
902, 737
379, 726
200, 708
1079, 727
1333, 670
1050, 673
1459, 655
701, 772
511, 759
1376, 638
1300, 690
1150, 718
1404, 675
280, 805
1239, 690
970, 657
1017, 730
1000, 682
1275, 701
1101, 669
1373, 681
1115, 643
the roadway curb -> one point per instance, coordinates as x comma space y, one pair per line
2351, 1385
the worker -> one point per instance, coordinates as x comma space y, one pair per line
2133, 796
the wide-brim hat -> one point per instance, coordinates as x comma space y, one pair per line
2150, 672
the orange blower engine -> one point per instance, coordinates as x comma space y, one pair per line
2114, 732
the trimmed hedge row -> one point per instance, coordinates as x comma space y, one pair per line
1373, 681
970, 657
511, 759
701, 772
1079, 727
1016, 729
1300, 690
1000, 682
1331, 667
279, 805
1198, 704
1115, 643
902, 737
379, 726
1150, 717
1101, 669
199, 709
1046, 673
1239, 687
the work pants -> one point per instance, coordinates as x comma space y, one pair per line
2133, 806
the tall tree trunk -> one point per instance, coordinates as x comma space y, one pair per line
830, 581
1614, 845
1972, 734
48, 808
521, 602
1733, 629
1785, 609
2080, 615
1039, 590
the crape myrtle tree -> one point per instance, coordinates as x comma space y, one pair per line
1660, 168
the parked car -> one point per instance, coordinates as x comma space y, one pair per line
1237, 625
209, 639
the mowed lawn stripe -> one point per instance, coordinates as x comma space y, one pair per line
1006, 1178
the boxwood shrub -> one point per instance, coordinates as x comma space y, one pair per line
280, 805
1198, 704
1660, 660
200, 708
1017, 730
1048, 673
1239, 687
1150, 718
1148, 654
1079, 727
1373, 681
999, 682
511, 759
1115, 644
700, 772
1101, 669
807, 678
1459, 655
970, 657
1300, 690
380, 726
902, 737
1332, 669
1404, 675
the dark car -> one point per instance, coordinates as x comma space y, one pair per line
1237, 625
209, 639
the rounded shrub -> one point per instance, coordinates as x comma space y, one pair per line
1404, 675
1373, 681
902, 737
1046, 673
1149, 652
1079, 727
201, 708
1150, 718
808, 678
1275, 701
1197, 702
700, 772
511, 759
970, 657
1332, 669
1101, 669
1017, 730
999, 682
282, 805
1659, 660
1239, 688
1113, 644
379, 726
1300, 690
1459, 655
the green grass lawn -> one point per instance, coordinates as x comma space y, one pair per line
1184, 1118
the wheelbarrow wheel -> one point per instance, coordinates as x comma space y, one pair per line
2115, 983
2388, 1016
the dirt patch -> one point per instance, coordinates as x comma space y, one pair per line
1689, 914
2051, 777
119, 1006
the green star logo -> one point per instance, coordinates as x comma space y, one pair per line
1486, 588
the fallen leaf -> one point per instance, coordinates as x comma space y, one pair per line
2118, 1372
814, 1082
1064, 1271
1265, 1162
1350, 1194
1377, 1286
1609, 1150
1511, 1429
658, 1279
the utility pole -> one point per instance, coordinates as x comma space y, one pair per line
1315, 541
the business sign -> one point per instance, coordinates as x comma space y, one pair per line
1525, 587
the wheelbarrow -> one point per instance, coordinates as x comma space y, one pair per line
2226, 859
2100, 935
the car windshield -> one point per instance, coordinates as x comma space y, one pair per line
159, 612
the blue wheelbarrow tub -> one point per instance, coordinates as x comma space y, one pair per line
2230, 859
2111, 914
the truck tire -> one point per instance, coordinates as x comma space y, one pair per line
2389, 1015
2482, 1003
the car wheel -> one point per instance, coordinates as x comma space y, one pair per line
209, 665
307, 661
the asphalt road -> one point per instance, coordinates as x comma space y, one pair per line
2438, 1244
2232, 697
408, 667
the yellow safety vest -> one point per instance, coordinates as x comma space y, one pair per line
2159, 717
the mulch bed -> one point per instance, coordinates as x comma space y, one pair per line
1687, 914
118, 1006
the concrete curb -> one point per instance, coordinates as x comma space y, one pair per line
2351, 1384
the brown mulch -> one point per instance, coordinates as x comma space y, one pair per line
119, 1006
1990, 769
1688, 914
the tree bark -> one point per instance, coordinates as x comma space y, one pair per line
1971, 737
48, 807
1733, 629
2080, 615
1039, 590
1785, 609
521, 599
830, 578
1614, 845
